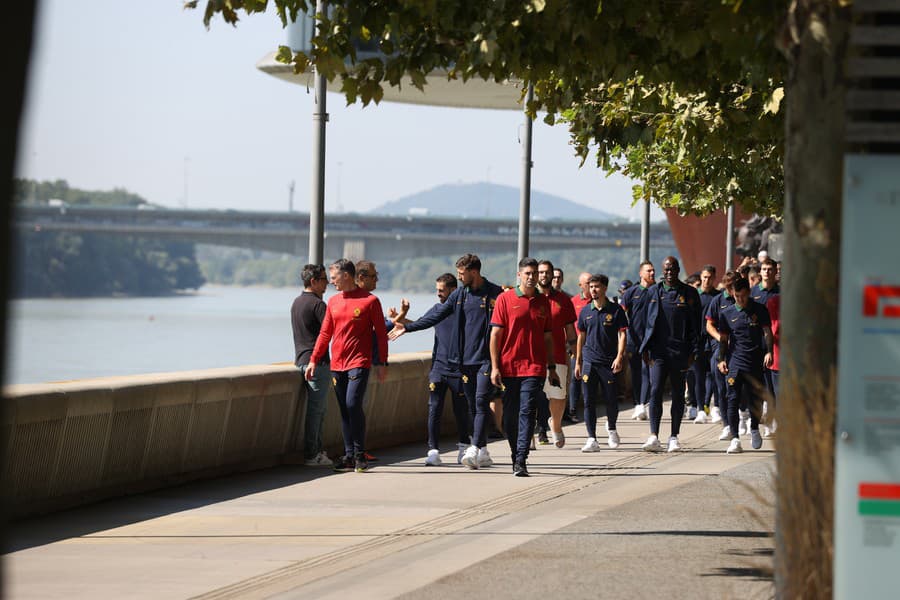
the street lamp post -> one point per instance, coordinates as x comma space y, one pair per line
317, 207
527, 164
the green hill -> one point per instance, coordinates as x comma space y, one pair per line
489, 200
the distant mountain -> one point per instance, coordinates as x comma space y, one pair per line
489, 200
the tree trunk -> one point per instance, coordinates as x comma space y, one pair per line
816, 44
16, 32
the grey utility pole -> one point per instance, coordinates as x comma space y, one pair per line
291, 197
527, 164
729, 240
317, 207
645, 232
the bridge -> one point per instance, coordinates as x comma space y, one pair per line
351, 235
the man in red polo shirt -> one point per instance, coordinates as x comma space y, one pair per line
579, 301
562, 316
521, 346
350, 320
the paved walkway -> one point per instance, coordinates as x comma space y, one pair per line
617, 523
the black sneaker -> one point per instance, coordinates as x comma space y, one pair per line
542, 438
573, 417
362, 465
344, 464
519, 469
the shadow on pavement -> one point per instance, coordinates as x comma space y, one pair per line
118, 512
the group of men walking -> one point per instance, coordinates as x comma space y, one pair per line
526, 341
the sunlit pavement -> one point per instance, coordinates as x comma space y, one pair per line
616, 520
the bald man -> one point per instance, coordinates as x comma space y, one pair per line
579, 301
670, 345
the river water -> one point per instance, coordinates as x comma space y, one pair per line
218, 326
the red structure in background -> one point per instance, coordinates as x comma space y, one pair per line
701, 240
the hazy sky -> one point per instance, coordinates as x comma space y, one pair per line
136, 94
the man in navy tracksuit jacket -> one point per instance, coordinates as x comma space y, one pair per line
670, 344
471, 307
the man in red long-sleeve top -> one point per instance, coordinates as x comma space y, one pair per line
350, 320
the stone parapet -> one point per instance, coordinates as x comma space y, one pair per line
72, 443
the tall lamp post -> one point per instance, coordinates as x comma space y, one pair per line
527, 164
317, 204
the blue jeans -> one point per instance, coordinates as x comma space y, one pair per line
574, 388
519, 413
543, 412
599, 375
438, 385
316, 403
350, 389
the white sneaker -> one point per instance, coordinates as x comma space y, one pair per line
591, 445
767, 434
692, 414
755, 439
613, 441
460, 452
716, 416
638, 414
726, 433
734, 447
674, 446
700, 419
320, 460
645, 412
558, 438
434, 458
484, 458
744, 422
470, 457
652, 444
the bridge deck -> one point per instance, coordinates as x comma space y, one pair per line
617, 523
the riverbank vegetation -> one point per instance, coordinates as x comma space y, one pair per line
64, 264
232, 266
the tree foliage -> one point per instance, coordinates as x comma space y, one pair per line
27, 191
53, 264
695, 152
236, 266
682, 95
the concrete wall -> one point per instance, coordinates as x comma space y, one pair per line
76, 442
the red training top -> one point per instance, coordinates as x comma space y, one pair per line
350, 319
562, 312
578, 303
523, 352
774, 306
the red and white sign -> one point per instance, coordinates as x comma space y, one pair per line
884, 297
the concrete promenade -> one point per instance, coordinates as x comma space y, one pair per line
617, 523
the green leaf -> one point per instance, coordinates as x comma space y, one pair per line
773, 104
284, 55
418, 79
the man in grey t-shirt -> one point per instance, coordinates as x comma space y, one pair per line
307, 314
